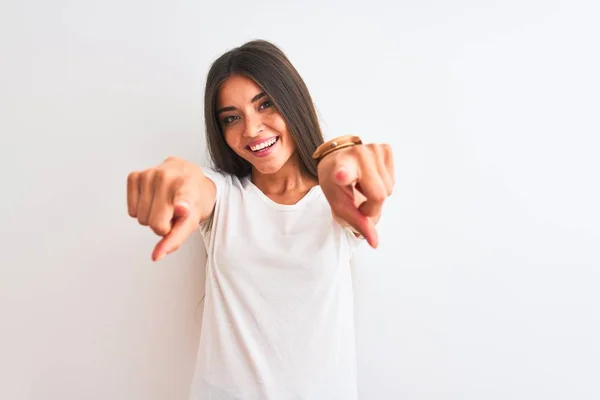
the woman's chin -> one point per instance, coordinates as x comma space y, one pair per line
267, 168
273, 163
272, 166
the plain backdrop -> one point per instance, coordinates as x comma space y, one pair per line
485, 285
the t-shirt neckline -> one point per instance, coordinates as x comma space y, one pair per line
278, 206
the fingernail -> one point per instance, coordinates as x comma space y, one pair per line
182, 209
184, 204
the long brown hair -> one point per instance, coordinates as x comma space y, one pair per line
268, 66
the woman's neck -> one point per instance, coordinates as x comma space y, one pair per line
287, 185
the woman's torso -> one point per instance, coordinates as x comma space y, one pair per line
278, 318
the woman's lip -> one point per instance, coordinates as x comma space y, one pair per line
264, 152
259, 141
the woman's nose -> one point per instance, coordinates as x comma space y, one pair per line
253, 127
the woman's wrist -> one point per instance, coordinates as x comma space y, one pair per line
335, 144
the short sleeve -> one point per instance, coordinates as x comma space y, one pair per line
218, 177
352, 239
221, 180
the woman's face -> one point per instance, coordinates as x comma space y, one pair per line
253, 128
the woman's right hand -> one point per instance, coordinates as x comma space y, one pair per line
172, 199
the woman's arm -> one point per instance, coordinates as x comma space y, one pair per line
172, 199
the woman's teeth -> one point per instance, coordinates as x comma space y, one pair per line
263, 145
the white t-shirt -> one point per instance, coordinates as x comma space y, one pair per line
278, 320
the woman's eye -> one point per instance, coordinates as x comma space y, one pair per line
229, 119
266, 104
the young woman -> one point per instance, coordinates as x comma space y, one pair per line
281, 213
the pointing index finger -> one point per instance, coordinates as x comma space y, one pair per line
183, 226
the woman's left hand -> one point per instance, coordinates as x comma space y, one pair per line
356, 181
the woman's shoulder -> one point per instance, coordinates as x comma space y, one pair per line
218, 176
213, 172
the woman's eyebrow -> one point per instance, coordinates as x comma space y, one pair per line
258, 96
230, 108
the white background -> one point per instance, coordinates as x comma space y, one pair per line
485, 284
